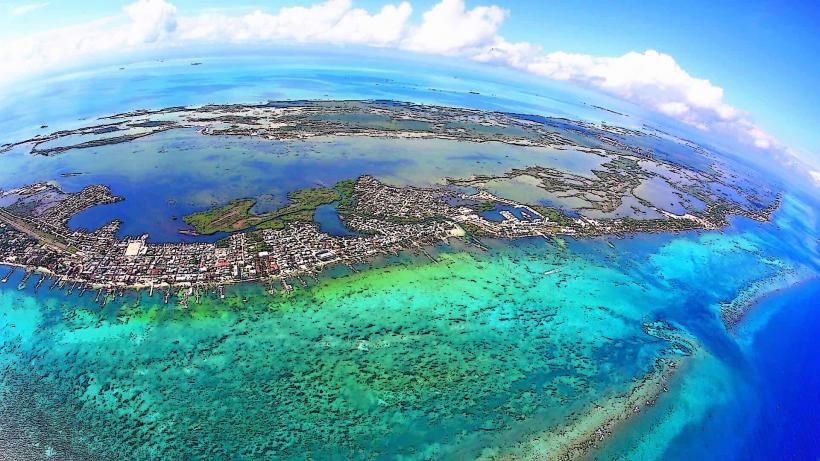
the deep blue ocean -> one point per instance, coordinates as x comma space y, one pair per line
749, 393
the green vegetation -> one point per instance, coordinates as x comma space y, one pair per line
486, 205
302, 203
256, 243
472, 230
373, 122
345, 190
35, 233
553, 215
220, 219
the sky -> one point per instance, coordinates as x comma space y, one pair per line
749, 69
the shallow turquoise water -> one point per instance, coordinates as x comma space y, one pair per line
474, 354
446, 359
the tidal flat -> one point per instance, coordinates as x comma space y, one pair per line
172, 174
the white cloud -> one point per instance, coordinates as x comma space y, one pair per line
334, 21
449, 28
26, 8
815, 175
651, 79
151, 21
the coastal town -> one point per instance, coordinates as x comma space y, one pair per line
280, 239
386, 220
285, 247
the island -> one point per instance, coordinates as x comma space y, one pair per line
284, 245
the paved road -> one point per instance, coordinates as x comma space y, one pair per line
26, 228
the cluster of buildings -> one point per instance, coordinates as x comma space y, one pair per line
382, 220
34, 235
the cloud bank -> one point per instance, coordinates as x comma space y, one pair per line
26, 8
649, 79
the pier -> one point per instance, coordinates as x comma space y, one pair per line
479, 245
8, 274
183, 302
40, 282
427, 254
22, 283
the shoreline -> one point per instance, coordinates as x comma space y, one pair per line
579, 437
733, 312
288, 243
468, 240
424, 254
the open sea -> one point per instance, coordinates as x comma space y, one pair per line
478, 354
